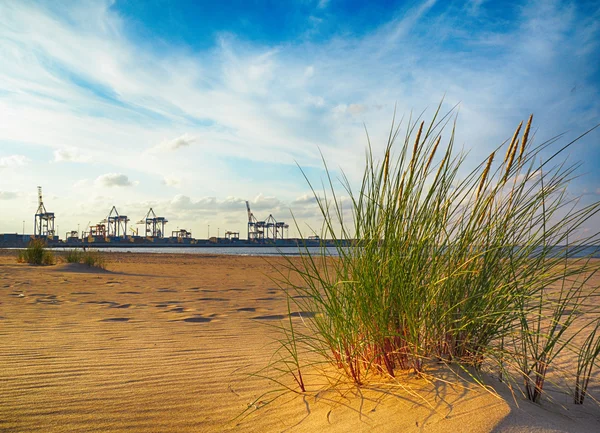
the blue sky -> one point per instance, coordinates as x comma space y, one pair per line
193, 107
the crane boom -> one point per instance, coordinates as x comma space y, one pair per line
249, 212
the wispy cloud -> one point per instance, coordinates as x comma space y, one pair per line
69, 155
113, 179
13, 161
171, 181
183, 141
8, 195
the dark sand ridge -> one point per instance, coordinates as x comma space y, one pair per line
161, 343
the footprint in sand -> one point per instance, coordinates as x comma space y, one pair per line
270, 317
164, 290
109, 303
46, 298
130, 293
83, 293
116, 319
305, 314
197, 319
120, 306
246, 309
167, 304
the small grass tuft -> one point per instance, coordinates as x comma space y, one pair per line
94, 259
36, 253
91, 258
74, 256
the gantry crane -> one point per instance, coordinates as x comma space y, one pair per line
117, 224
44, 221
255, 228
155, 226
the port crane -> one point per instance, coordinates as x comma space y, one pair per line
44, 220
117, 224
155, 226
270, 229
256, 230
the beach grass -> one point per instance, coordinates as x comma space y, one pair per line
90, 258
36, 253
94, 259
468, 268
73, 256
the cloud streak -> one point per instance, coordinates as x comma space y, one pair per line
113, 180
177, 143
13, 161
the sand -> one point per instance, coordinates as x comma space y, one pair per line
166, 342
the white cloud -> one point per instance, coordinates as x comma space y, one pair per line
262, 203
69, 155
305, 199
13, 161
8, 195
309, 71
171, 181
82, 184
113, 179
317, 101
356, 108
183, 141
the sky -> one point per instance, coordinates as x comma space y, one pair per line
194, 107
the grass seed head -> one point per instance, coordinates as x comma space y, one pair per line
509, 151
525, 137
416, 147
437, 142
485, 173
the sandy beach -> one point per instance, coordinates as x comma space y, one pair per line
166, 343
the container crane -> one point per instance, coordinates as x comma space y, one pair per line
255, 227
155, 226
44, 220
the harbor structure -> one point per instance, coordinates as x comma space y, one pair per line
44, 220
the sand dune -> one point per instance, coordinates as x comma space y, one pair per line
164, 343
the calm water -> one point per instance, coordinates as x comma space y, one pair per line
233, 251
573, 252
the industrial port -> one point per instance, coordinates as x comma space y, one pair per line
115, 230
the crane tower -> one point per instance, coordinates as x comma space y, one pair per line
44, 220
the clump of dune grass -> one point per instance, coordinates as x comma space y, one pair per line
90, 258
36, 253
94, 259
467, 269
73, 256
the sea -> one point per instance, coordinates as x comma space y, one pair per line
228, 251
